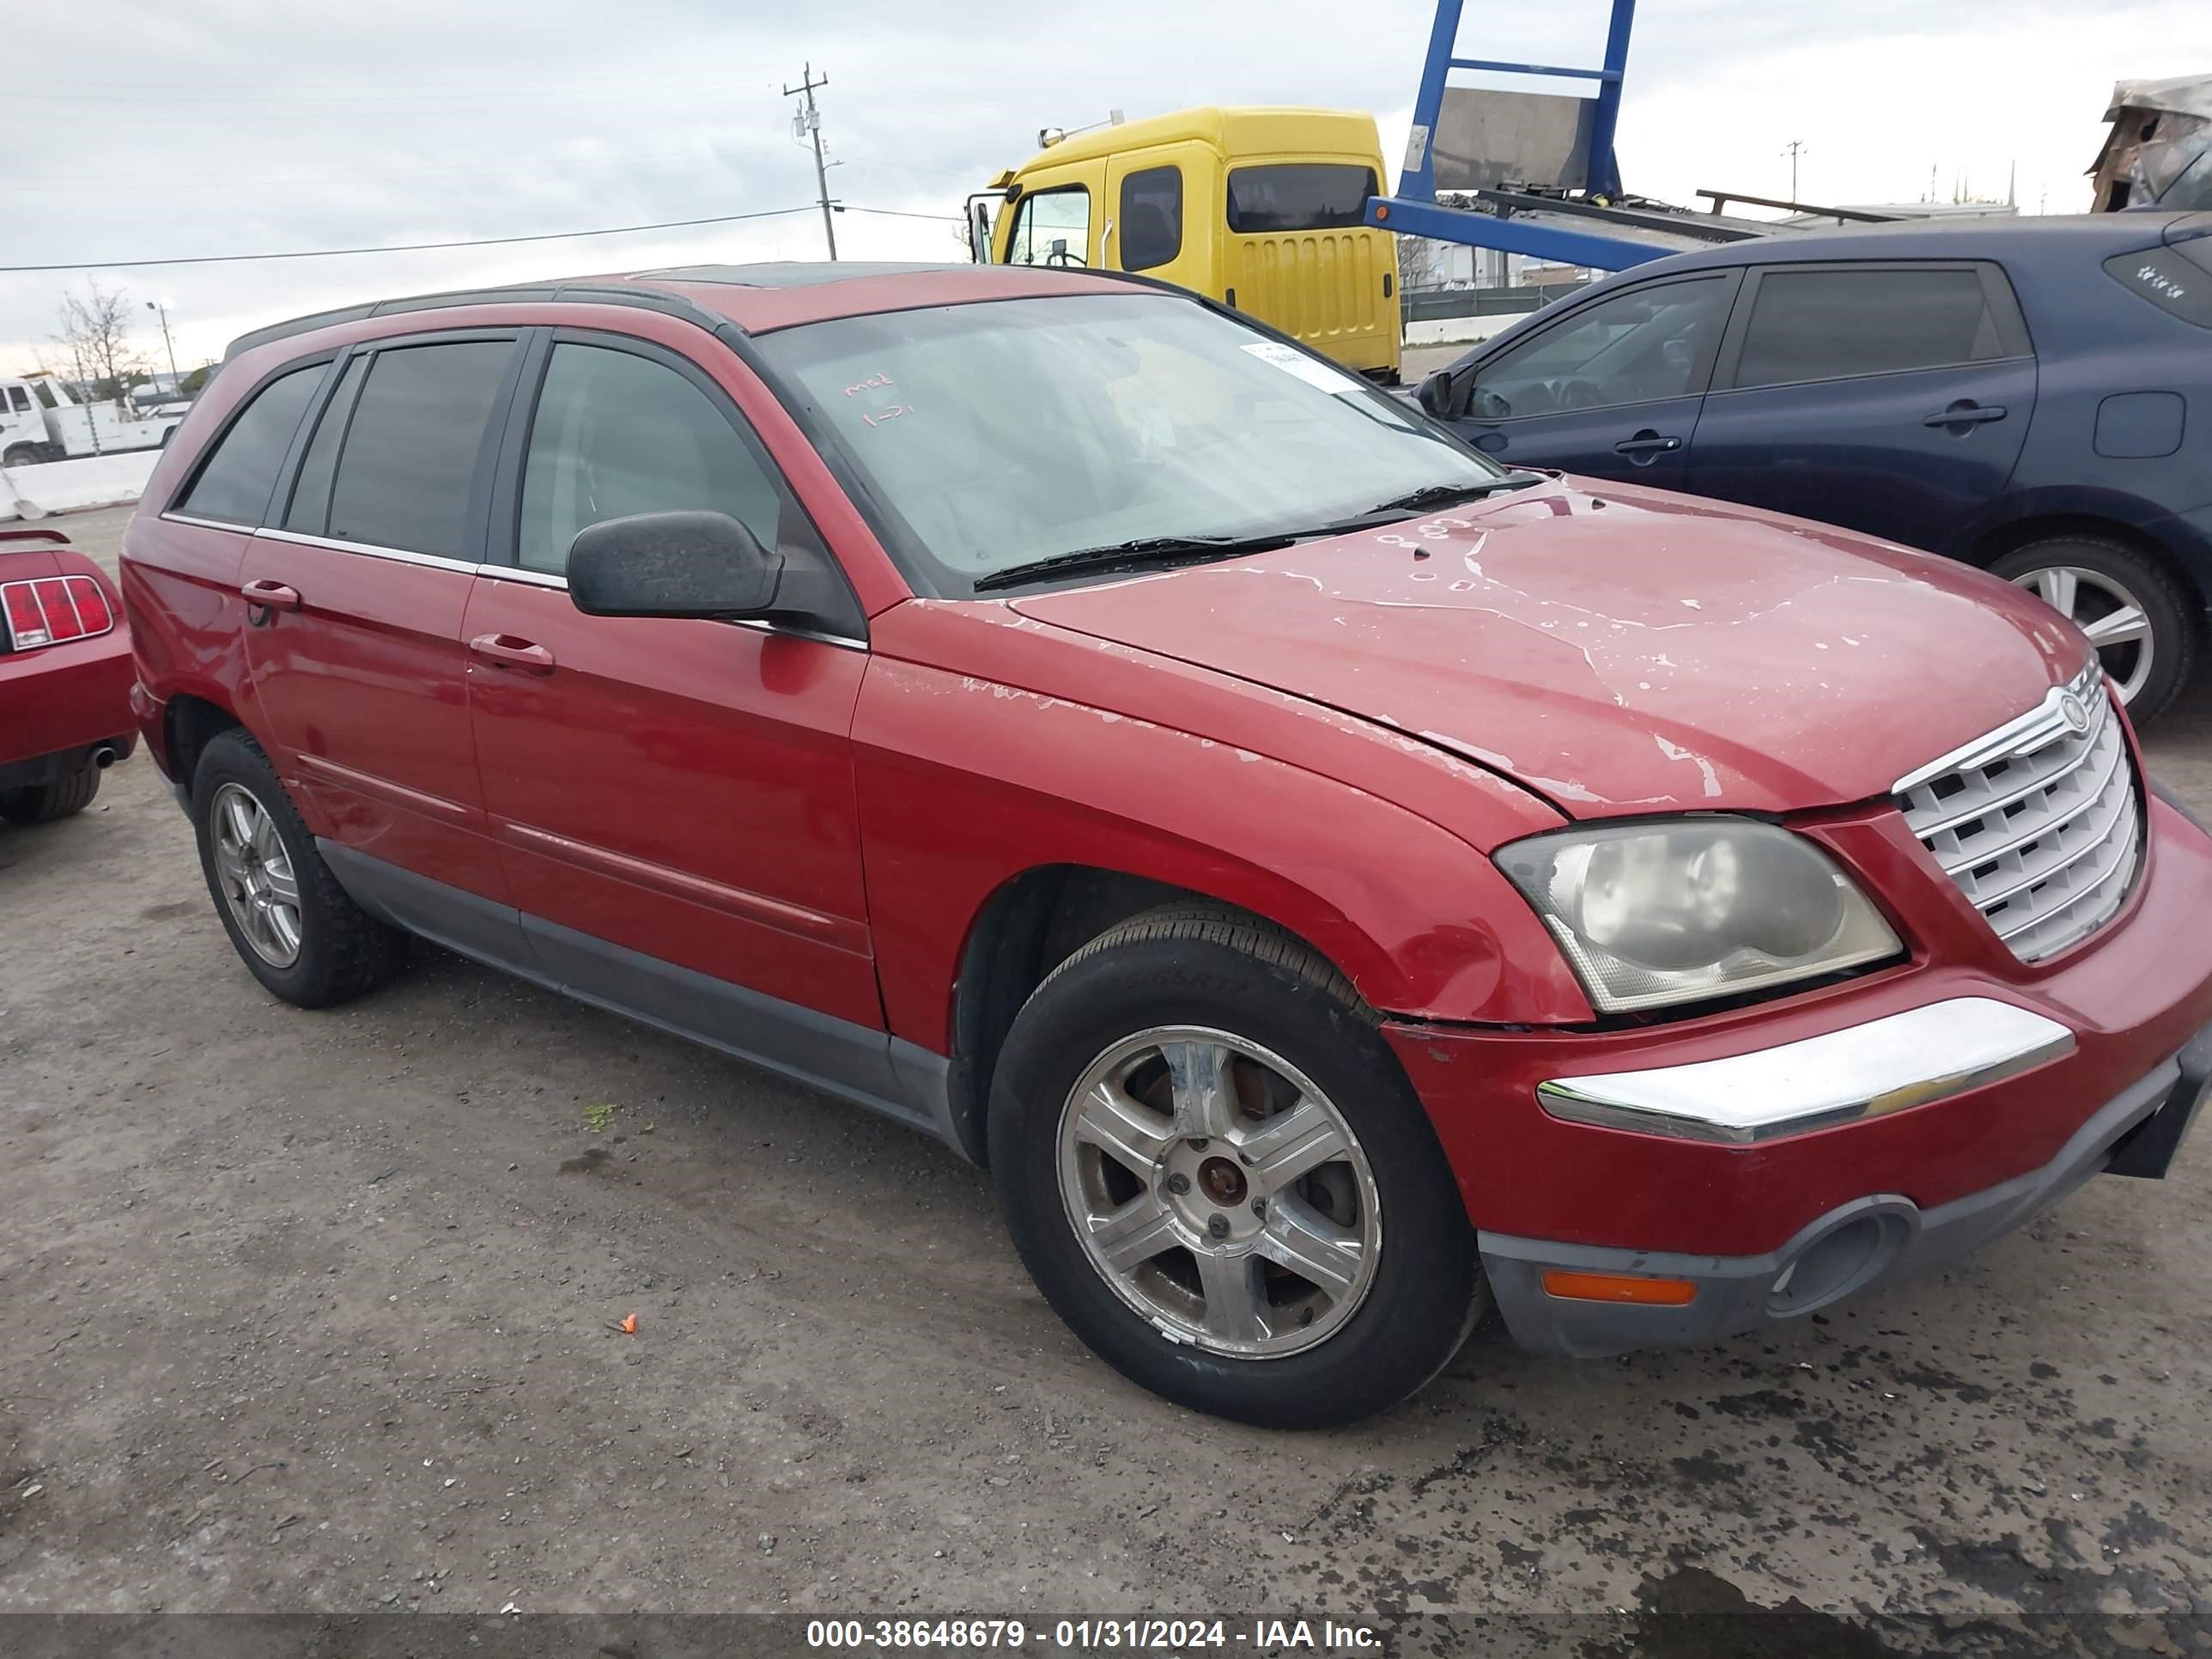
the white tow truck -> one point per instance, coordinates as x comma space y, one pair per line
39, 421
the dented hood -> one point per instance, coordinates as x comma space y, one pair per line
1619, 650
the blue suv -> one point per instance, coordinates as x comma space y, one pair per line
2033, 396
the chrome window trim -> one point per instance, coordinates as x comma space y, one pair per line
516, 573
1885, 1065
206, 524
2024, 734
374, 550
512, 573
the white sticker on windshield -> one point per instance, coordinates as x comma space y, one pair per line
1306, 369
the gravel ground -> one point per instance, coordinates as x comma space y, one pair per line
317, 1311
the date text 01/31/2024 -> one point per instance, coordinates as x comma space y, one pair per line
1259, 1636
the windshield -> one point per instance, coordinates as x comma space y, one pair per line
1005, 433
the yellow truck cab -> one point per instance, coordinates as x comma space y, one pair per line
1261, 209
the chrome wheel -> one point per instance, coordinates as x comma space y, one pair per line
255, 873
1219, 1191
2113, 617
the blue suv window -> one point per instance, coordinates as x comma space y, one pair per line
1828, 324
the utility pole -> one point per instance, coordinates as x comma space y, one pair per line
808, 119
162, 308
1793, 149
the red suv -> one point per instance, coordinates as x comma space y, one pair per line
1335, 883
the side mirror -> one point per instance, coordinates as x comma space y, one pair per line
1436, 394
672, 564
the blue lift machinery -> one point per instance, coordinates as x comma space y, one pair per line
1534, 173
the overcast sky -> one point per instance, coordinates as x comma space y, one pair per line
227, 126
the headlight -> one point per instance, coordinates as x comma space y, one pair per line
1651, 913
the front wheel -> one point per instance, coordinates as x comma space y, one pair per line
2143, 629
1217, 1173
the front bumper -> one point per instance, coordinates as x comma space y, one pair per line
1837, 1174
1875, 1240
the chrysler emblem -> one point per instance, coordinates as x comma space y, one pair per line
2073, 712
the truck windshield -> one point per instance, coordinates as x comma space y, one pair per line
1004, 433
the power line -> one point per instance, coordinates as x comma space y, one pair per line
399, 248
899, 213
808, 121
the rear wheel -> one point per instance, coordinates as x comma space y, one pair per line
2127, 604
42, 803
1219, 1177
297, 930
23, 455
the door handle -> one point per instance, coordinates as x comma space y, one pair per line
1646, 443
505, 651
272, 596
1966, 412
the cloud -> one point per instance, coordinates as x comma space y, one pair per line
143, 130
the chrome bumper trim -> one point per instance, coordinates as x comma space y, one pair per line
1866, 1071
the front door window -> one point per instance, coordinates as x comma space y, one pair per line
1636, 347
1052, 228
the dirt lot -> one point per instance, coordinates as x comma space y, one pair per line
315, 1311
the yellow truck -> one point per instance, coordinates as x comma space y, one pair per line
1261, 209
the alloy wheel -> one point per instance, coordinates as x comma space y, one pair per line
256, 875
2104, 610
1219, 1191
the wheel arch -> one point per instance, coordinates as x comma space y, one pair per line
2010, 536
189, 724
1028, 925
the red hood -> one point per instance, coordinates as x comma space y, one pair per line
1618, 649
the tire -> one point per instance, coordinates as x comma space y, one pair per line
1307, 1358
24, 455
42, 803
2094, 580
338, 950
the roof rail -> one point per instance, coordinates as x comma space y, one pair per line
635, 295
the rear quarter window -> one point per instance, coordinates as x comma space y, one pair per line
2171, 279
1290, 196
236, 481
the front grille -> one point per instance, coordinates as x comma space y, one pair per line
2039, 822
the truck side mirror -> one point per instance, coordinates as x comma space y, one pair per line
1435, 395
979, 229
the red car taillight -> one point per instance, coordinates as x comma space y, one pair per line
51, 608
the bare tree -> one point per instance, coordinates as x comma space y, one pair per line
96, 332
1421, 262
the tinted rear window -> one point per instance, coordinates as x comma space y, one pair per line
1825, 324
1300, 196
410, 461
236, 481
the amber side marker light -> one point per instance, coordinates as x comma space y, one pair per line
1619, 1287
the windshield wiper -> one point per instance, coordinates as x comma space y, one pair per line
1451, 494
1145, 552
